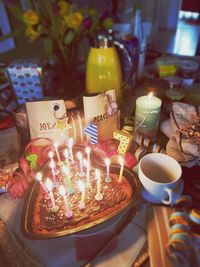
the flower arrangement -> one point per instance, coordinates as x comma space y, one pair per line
61, 25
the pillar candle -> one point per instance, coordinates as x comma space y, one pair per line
147, 115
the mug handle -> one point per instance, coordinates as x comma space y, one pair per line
171, 197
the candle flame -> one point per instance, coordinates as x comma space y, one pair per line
150, 95
50, 154
39, 176
65, 170
107, 161
66, 153
56, 144
52, 164
121, 161
81, 186
70, 142
62, 190
85, 163
49, 184
97, 174
87, 150
79, 155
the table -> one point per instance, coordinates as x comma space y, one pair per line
59, 251
62, 250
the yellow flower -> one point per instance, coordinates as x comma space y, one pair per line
30, 17
73, 20
32, 33
63, 7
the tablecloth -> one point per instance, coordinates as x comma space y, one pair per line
70, 250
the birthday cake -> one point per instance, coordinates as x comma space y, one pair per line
74, 207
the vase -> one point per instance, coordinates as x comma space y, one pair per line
63, 81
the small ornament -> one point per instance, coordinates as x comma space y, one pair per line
125, 140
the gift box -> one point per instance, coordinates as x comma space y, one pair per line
7, 98
25, 80
9, 140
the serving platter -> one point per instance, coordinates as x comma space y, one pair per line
91, 227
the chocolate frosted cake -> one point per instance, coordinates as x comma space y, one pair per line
46, 218
74, 209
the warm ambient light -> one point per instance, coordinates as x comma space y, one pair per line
39, 176
51, 154
150, 95
49, 185
121, 162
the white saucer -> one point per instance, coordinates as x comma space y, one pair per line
152, 199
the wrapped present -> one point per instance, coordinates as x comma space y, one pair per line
6, 173
7, 97
9, 140
25, 80
184, 143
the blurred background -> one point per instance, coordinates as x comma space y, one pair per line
171, 26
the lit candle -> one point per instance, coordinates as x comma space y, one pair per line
66, 171
70, 145
107, 162
82, 190
51, 154
121, 162
52, 165
86, 164
88, 150
80, 158
147, 115
57, 152
62, 192
49, 186
39, 179
98, 195
66, 155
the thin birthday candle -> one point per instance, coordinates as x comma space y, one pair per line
88, 150
51, 154
62, 192
39, 179
52, 165
66, 171
66, 155
70, 145
107, 162
80, 158
86, 164
98, 195
121, 162
82, 190
57, 152
49, 186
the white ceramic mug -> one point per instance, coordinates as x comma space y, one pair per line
160, 176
